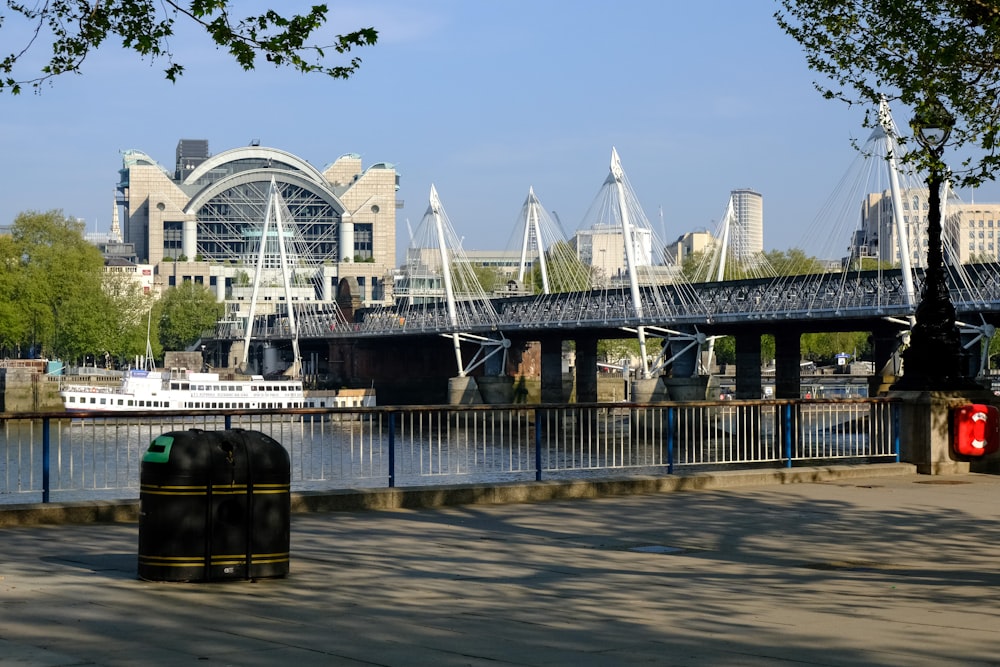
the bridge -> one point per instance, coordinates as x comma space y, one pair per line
442, 295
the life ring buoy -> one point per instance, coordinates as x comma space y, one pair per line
975, 429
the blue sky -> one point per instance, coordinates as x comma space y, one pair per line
484, 99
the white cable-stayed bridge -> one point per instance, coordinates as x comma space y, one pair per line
556, 287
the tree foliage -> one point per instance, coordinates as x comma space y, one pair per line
928, 55
184, 312
823, 348
793, 262
78, 27
53, 278
14, 323
475, 278
696, 267
565, 270
125, 333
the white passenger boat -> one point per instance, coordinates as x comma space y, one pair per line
142, 390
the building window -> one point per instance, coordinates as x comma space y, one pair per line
363, 244
173, 239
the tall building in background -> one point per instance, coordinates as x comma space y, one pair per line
747, 231
970, 232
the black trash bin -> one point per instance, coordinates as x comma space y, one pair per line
214, 505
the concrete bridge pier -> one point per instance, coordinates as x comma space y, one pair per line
748, 379
649, 390
464, 390
495, 385
553, 389
684, 383
586, 368
787, 364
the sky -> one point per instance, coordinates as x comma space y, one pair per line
481, 98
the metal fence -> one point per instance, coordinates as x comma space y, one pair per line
56, 457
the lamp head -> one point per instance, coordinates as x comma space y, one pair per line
932, 124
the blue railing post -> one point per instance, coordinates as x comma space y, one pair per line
229, 422
392, 450
788, 435
670, 440
46, 447
538, 444
895, 429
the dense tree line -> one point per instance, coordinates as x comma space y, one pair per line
57, 301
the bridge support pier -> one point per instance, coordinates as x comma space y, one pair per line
463, 390
648, 390
748, 365
496, 389
586, 369
787, 359
552, 390
697, 388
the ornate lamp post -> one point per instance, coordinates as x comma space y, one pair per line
932, 361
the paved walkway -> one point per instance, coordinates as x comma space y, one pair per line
899, 570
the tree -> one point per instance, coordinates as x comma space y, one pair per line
475, 278
77, 27
793, 262
921, 53
14, 329
184, 312
695, 267
823, 348
125, 329
58, 285
725, 350
616, 350
565, 271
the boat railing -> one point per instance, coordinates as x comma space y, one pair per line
92, 389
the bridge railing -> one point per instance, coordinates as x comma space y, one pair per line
53, 457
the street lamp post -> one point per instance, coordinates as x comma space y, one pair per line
932, 361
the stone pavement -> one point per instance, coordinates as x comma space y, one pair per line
890, 569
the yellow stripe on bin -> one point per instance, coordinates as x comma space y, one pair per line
173, 490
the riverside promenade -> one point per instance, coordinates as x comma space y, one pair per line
868, 565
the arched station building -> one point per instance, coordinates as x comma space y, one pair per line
196, 222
